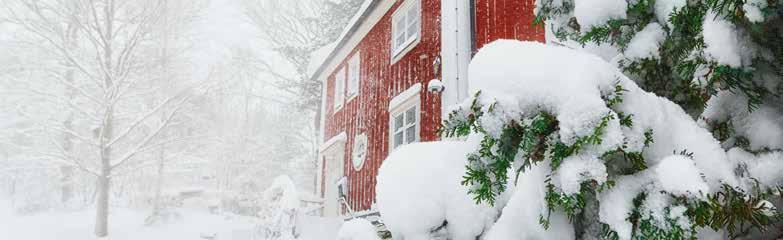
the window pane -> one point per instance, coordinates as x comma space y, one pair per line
399, 25
413, 13
410, 116
397, 123
413, 31
410, 134
397, 139
339, 87
400, 40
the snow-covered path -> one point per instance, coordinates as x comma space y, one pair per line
124, 224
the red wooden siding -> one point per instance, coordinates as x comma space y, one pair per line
506, 19
381, 81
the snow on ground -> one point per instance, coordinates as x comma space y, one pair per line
318, 228
358, 229
124, 224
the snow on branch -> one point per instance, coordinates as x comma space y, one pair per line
585, 147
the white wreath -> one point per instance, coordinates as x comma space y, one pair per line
359, 153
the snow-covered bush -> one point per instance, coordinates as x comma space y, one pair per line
357, 229
279, 209
592, 155
720, 60
419, 193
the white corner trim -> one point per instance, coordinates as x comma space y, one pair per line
405, 96
342, 137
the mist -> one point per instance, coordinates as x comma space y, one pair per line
157, 119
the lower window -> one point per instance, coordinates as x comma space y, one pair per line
405, 126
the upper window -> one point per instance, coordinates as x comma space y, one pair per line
339, 88
354, 75
406, 26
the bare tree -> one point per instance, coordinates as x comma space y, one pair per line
107, 50
293, 30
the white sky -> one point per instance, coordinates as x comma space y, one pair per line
223, 27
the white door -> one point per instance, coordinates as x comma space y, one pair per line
334, 158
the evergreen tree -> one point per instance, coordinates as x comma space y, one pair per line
719, 60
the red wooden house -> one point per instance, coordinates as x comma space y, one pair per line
388, 79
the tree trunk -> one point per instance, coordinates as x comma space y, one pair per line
104, 180
102, 207
159, 184
66, 184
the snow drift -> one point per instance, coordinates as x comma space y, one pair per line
419, 190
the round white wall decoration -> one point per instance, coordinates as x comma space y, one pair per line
359, 153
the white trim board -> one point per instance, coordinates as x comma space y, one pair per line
404, 96
342, 137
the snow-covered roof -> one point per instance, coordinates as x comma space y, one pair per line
318, 65
318, 57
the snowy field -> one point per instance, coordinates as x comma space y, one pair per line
125, 224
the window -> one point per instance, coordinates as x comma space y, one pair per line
406, 26
354, 75
405, 126
339, 89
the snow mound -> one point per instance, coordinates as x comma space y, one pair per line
283, 190
419, 190
280, 206
357, 229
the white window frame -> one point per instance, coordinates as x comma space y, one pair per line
413, 102
354, 75
403, 16
339, 89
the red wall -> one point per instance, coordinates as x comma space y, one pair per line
506, 19
380, 82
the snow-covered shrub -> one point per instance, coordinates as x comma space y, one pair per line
720, 60
592, 155
279, 209
357, 229
419, 193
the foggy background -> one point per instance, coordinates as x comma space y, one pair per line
110, 104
